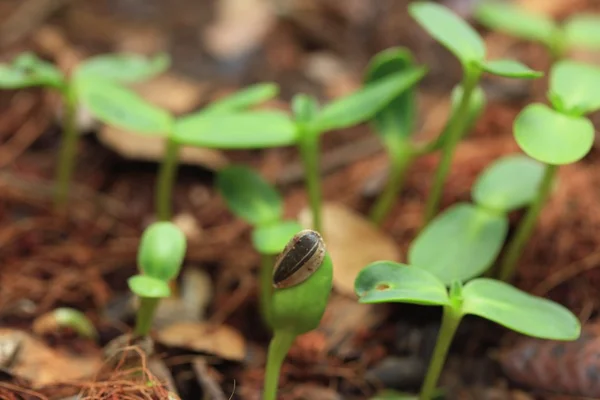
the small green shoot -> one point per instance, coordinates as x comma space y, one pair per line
71, 318
28, 70
160, 257
577, 31
251, 198
466, 44
554, 136
390, 282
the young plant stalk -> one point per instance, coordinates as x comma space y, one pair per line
455, 132
526, 226
68, 149
278, 348
166, 179
309, 152
145, 315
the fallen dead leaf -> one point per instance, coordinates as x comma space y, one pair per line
352, 241
222, 341
42, 365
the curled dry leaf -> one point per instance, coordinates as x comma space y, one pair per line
352, 241
41, 365
222, 341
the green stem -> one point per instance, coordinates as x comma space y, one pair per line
309, 151
455, 133
525, 228
68, 147
266, 287
450, 322
278, 349
395, 181
145, 315
166, 179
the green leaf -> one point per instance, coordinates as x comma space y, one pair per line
363, 104
304, 108
509, 183
510, 69
249, 196
162, 251
243, 130
271, 239
459, 244
76, 320
552, 137
28, 70
123, 67
450, 30
575, 87
387, 281
516, 21
396, 121
582, 31
147, 286
519, 311
243, 99
116, 105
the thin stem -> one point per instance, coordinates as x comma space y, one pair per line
266, 287
309, 151
68, 148
525, 228
166, 179
145, 315
455, 132
395, 181
278, 349
450, 322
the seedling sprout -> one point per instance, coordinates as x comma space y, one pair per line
28, 70
160, 257
66, 317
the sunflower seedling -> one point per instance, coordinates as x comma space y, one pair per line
216, 126
251, 198
28, 70
556, 135
302, 281
160, 257
390, 282
577, 31
466, 44
66, 317
464, 241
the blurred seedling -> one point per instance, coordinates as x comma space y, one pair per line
463, 241
555, 135
578, 31
66, 317
465, 43
390, 282
302, 281
251, 198
28, 70
160, 256
219, 125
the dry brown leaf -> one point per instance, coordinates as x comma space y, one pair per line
222, 341
42, 365
352, 241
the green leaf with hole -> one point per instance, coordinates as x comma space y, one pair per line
459, 244
123, 67
272, 238
519, 311
249, 196
510, 69
582, 31
28, 70
551, 137
162, 250
243, 130
147, 286
575, 87
508, 184
363, 104
243, 99
395, 122
450, 30
116, 105
516, 21
388, 281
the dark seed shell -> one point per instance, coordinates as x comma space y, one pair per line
300, 258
